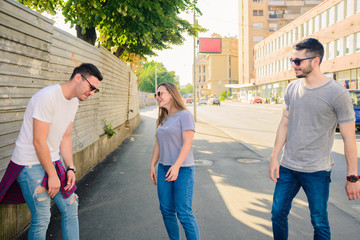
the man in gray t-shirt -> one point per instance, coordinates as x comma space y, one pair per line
314, 106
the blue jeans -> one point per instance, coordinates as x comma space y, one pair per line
316, 186
30, 180
175, 202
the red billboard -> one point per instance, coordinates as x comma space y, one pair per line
210, 45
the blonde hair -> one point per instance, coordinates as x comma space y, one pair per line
177, 102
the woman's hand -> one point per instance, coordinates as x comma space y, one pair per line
153, 174
172, 174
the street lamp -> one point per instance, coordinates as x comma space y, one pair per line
194, 75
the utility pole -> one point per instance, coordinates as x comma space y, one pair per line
194, 70
155, 78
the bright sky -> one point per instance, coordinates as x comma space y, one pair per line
219, 16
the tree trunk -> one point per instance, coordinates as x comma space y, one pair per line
120, 50
89, 36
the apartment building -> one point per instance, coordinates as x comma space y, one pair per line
258, 19
214, 70
201, 71
336, 24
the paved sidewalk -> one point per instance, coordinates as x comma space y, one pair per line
232, 197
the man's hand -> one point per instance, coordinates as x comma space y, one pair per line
54, 185
274, 167
172, 174
352, 190
70, 180
153, 174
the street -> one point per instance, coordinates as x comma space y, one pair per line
232, 195
256, 125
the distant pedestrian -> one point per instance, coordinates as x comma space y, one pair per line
314, 106
35, 165
173, 151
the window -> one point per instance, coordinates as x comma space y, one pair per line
258, 25
204, 69
258, 12
340, 47
257, 38
331, 51
306, 30
323, 17
199, 69
325, 51
349, 8
349, 44
273, 27
310, 26
317, 23
331, 17
257, 1
357, 7
357, 42
340, 11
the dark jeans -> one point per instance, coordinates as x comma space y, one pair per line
316, 186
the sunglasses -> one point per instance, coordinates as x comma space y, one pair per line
159, 93
92, 87
297, 62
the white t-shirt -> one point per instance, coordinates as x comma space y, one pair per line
47, 105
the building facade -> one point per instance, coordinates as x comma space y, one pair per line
218, 69
259, 19
336, 24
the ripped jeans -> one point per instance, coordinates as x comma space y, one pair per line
30, 180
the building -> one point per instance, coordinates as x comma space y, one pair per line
258, 19
336, 24
217, 69
201, 72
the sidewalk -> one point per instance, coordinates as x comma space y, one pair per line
232, 195
117, 199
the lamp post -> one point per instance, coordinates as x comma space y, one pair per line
194, 70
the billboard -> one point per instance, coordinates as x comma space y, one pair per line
210, 45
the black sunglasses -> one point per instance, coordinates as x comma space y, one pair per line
92, 87
297, 62
159, 93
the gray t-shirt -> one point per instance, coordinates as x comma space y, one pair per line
313, 115
169, 136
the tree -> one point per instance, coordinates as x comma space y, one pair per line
146, 76
189, 88
126, 26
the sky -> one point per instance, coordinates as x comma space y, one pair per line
219, 16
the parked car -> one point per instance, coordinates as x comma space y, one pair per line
202, 101
256, 99
189, 101
355, 97
214, 101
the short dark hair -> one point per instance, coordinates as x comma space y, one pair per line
87, 69
313, 47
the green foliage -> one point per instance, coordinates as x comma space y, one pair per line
187, 90
223, 96
147, 76
127, 26
108, 128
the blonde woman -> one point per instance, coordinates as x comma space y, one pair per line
173, 151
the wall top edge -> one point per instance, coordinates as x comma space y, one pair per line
22, 7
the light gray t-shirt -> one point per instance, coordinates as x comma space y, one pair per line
313, 115
169, 136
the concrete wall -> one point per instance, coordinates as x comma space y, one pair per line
35, 54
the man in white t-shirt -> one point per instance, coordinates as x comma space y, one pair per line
35, 164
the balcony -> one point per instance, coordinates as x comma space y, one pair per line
291, 16
275, 17
312, 2
276, 3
